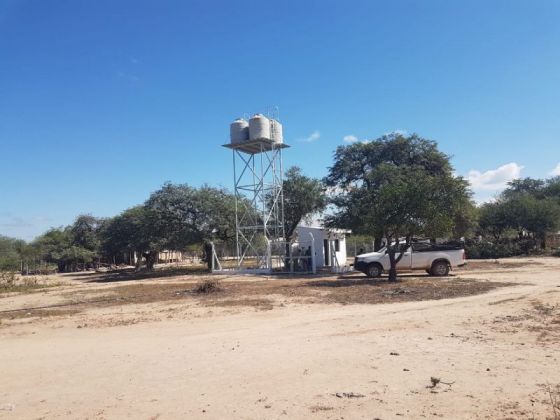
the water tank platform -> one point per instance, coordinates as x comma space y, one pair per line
256, 146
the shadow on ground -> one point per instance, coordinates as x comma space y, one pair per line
129, 274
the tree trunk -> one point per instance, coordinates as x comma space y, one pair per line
208, 254
392, 260
138, 260
151, 258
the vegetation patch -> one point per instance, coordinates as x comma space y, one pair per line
260, 304
208, 286
38, 313
539, 317
495, 264
10, 282
261, 295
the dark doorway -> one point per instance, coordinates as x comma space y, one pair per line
326, 252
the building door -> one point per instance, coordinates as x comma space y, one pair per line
326, 251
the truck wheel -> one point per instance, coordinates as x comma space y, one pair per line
373, 270
440, 269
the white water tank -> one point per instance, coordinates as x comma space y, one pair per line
239, 131
259, 127
276, 131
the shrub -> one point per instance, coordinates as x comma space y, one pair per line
208, 286
556, 252
499, 249
7, 278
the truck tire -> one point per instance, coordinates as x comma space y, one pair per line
440, 268
374, 270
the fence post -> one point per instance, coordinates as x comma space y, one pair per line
269, 254
215, 259
313, 262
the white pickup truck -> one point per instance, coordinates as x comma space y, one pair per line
435, 259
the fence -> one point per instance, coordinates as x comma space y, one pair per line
280, 257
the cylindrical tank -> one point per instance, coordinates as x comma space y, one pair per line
276, 131
239, 131
259, 127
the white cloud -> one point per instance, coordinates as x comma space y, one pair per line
350, 138
555, 171
316, 135
494, 179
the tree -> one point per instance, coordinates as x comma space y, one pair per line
182, 215
494, 219
542, 217
466, 220
525, 186
57, 246
528, 206
303, 197
11, 251
551, 188
352, 162
522, 212
396, 187
85, 232
129, 232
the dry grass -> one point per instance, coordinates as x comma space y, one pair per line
495, 265
38, 313
539, 317
11, 282
260, 294
320, 408
207, 286
359, 290
259, 304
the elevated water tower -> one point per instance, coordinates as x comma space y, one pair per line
257, 146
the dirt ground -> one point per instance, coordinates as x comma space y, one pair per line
483, 343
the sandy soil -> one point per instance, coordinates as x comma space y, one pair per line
263, 350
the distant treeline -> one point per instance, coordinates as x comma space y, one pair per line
175, 217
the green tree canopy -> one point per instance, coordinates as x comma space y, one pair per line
11, 251
396, 187
303, 197
129, 232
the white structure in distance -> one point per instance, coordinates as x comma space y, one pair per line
330, 246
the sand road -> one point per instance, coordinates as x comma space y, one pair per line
499, 353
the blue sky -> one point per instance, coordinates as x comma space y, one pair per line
103, 101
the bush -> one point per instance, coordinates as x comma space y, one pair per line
499, 249
208, 286
556, 252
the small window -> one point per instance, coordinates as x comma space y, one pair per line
337, 245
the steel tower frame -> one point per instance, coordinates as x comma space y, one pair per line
259, 200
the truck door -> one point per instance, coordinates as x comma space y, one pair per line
421, 255
406, 261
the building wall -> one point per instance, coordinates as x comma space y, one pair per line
323, 248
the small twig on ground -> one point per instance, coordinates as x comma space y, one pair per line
435, 381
